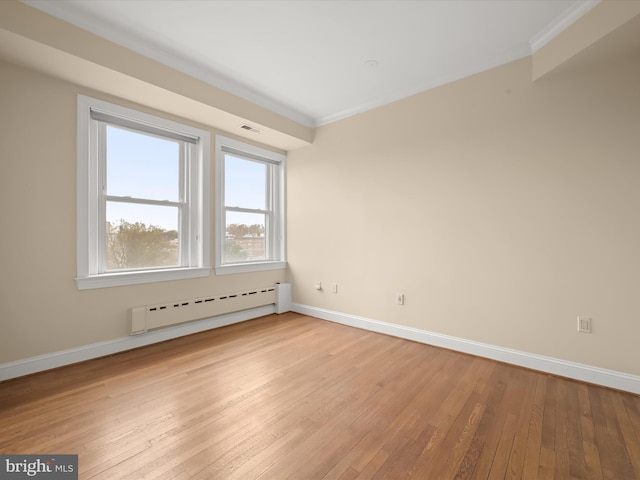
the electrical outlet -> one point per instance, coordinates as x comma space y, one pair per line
584, 325
399, 298
334, 288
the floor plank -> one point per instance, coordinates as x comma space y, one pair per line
293, 397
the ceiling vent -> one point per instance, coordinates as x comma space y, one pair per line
249, 128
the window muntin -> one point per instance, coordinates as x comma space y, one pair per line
250, 213
142, 192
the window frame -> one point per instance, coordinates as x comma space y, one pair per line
91, 198
275, 230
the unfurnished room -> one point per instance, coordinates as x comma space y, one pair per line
320, 239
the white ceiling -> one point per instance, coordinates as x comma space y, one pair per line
310, 60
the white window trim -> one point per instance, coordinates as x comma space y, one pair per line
279, 209
87, 203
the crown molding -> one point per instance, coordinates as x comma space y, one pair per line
507, 57
172, 59
557, 26
176, 60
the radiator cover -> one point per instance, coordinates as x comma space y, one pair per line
148, 317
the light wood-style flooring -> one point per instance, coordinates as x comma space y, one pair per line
293, 397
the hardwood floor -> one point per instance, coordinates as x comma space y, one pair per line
292, 397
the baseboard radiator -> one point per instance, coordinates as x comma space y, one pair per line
149, 317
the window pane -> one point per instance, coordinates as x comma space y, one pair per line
245, 183
245, 237
141, 236
142, 166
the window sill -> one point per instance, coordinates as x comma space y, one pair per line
135, 278
249, 267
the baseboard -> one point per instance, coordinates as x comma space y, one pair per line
563, 368
87, 352
577, 371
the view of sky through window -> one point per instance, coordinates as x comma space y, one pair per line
146, 166
142, 166
246, 187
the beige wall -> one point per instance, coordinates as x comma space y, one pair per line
41, 310
501, 208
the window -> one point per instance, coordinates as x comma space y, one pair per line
142, 197
250, 208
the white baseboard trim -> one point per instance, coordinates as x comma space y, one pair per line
577, 371
40, 363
